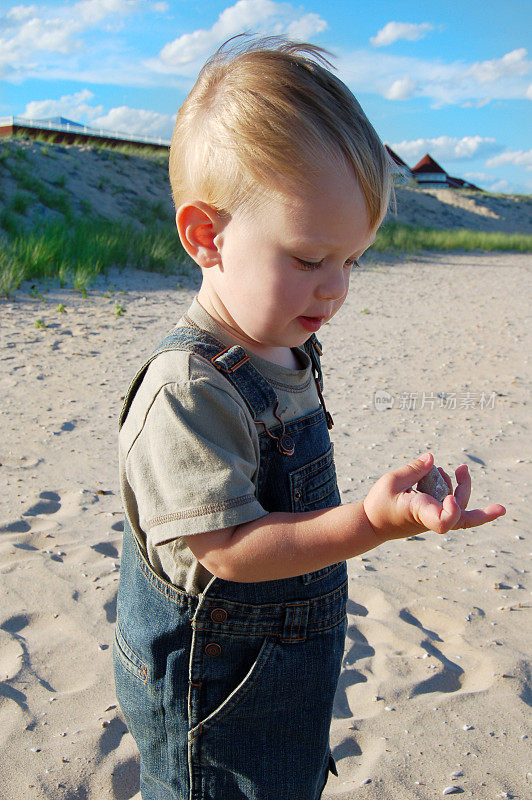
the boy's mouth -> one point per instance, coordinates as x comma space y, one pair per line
311, 323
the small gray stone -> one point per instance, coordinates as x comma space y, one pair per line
453, 790
434, 485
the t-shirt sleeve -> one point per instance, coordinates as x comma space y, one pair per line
193, 463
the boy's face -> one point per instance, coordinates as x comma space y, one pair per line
284, 267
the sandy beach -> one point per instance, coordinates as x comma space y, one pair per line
426, 354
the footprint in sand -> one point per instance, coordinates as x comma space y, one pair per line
106, 549
118, 752
14, 626
66, 427
11, 666
126, 779
387, 657
48, 503
15, 663
17, 526
357, 649
388, 654
459, 667
11, 654
46, 506
51, 510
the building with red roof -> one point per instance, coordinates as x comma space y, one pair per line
428, 172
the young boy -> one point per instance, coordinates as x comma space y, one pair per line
231, 609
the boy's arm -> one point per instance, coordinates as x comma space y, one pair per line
282, 544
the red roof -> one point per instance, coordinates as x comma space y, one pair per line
427, 164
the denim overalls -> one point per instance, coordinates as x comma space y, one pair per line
229, 693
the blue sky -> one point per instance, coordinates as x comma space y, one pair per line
450, 78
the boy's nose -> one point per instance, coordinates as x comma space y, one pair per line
334, 286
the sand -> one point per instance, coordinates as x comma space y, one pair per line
435, 689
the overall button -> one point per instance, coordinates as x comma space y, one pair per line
213, 649
297, 494
218, 615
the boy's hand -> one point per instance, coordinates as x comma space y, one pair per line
395, 509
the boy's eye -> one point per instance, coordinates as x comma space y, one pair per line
351, 262
308, 264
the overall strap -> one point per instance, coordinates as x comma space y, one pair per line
232, 361
313, 348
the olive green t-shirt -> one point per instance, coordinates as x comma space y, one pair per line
189, 450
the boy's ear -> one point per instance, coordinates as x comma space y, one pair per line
199, 225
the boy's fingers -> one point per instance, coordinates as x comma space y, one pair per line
479, 516
463, 488
450, 514
433, 515
407, 476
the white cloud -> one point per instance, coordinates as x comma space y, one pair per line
440, 82
519, 158
528, 93
19, 13
478, 177
305, 27
265, 16
446, 148
72, 106
503, 186
160, 8
513, 63
136, 121
235, 19
125, 119
493, 184
91, 12
30, 31
393, 31
401, 89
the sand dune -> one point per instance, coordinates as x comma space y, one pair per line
133, 188
435, 689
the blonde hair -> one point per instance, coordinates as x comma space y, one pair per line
263, 114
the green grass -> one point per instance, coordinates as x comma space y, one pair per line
21, 201
10, 222
394, 237
59, 181
75, 252
56, 200
149, 212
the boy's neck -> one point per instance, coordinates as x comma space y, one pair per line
283, 356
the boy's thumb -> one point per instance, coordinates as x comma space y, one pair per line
411, 473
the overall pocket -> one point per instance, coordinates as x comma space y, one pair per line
313, 486
233, 669
128, 658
